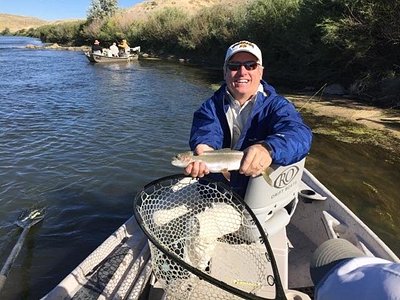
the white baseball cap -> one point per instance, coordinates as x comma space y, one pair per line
243, 46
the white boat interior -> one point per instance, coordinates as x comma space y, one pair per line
297, 212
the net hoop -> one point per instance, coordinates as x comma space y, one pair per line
138, 202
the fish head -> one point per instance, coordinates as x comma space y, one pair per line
182, 159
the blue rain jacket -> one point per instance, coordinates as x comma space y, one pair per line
274, 120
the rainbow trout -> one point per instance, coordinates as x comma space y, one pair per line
217, 161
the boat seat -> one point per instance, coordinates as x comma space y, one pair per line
274, 201
278, 221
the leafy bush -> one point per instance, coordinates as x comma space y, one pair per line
161, 31
66, 33
6, 31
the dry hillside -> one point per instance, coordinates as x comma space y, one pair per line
138, 11
146, 8
15, 23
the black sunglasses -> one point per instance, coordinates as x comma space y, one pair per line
235, 66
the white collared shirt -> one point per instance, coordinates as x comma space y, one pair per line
237, 115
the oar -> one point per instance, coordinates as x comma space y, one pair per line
26, 220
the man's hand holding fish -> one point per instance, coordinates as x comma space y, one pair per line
256, 159
198, 168
251, 162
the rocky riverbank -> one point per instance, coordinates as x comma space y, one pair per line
56, 46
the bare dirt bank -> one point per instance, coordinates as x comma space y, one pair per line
351, 121
385, 120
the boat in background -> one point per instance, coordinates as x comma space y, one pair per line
106, 56
121, 267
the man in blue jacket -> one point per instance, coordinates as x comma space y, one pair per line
246, 113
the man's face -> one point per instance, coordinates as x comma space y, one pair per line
243, 83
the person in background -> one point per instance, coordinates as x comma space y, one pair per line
96, 48
247, 114
124, 48
341, 271
114, 49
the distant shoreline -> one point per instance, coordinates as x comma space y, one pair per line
56, 46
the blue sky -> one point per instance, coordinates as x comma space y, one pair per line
51, 10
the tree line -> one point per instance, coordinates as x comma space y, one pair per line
305, 42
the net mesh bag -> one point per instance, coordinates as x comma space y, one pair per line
205, 242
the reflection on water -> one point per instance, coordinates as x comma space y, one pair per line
81, 139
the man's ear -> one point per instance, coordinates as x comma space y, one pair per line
261, 71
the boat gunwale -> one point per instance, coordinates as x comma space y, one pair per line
99, 58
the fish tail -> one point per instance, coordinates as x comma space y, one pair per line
266, 176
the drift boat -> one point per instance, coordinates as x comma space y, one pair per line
105, 58
297, 214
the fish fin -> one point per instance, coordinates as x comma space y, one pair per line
266, 174
207, 152
228, 150
223, 150
226, 174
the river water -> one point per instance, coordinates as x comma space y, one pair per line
81, 139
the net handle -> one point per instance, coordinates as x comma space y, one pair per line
280, 294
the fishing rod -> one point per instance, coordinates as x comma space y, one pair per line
26, 220
315, 94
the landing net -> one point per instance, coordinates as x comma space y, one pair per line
201, 237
